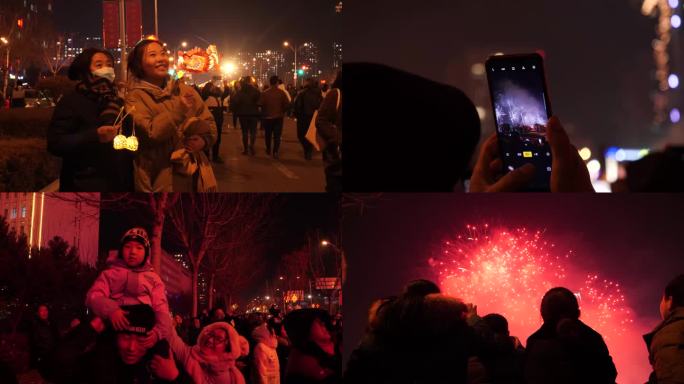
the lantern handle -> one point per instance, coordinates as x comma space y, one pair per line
116, 121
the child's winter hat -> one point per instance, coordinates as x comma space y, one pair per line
141, 318
139, 235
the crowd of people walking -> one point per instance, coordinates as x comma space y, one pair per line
154, 133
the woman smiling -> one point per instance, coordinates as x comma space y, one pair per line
164, 111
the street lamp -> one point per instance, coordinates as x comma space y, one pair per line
341, 267
184, 44
294, 68
7, 60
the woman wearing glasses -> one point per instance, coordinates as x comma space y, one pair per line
212, 360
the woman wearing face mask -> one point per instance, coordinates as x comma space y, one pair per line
171, 119
82, 129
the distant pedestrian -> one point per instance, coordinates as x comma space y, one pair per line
305, 105
18, 97
212, 99
234, 91
281, 86
181, 329
245, 105
44, 337
275, 104
194, 330
329, 124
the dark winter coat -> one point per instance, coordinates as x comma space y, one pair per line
329, 129
274, 103
666, 349
44, 338
83, 357
312, 365
87, 164
307, 102
570, 352
245, 102
503, 361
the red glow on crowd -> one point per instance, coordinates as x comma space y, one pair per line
508, 271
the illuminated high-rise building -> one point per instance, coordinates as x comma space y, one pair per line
308, 60
337, 55
42, 216
268, 63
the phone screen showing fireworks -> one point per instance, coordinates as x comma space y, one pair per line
521, 107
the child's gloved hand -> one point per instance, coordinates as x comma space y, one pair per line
194, 143
149, 340
119, 320
164, 369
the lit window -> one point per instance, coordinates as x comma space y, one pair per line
23, 211
14, 213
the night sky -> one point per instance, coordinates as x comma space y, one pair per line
632, 239
598, 54
291, 217
234, 25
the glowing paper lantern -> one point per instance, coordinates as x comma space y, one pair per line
120, 142
132, 143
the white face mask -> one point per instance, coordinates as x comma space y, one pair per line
106, 72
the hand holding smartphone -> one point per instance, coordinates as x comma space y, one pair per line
521, 106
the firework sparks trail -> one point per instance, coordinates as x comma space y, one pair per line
508, 272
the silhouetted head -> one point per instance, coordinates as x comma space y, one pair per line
308, 325
407, 133
673, 296
497, 323
559, 303
420, 287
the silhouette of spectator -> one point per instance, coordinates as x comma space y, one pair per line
666, 342
564, 349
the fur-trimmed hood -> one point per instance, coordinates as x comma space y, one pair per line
262, 334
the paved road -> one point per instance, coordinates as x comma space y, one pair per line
261, 173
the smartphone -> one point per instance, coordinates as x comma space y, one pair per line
520, 101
